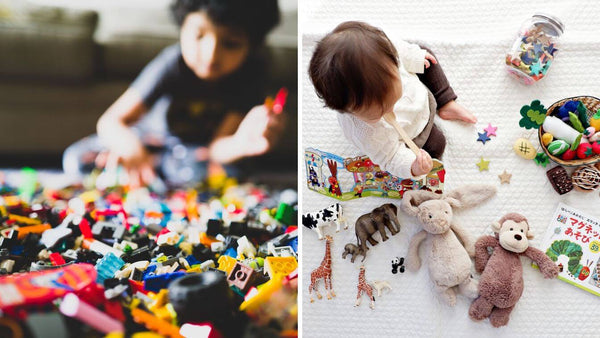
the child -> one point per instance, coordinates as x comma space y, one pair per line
360, 73
207, 81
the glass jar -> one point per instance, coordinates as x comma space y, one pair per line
533, 51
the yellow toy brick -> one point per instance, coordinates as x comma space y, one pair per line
280, 265
226, 263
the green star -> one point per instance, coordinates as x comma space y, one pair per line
483, 164
536, 67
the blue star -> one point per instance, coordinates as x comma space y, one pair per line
528, 58
537, 48
536, 67
550, 49
483, 137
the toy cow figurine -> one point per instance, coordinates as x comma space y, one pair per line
318, 219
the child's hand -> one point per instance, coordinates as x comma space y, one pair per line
429, 59
422, 164
136, 161
254, 136
258, 131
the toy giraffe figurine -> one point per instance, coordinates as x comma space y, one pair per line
364, 287
324, 272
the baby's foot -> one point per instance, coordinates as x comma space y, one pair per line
454, 111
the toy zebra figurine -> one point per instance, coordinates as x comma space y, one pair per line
322, 272
364, 287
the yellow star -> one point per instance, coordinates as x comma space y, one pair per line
483, 164
505, 177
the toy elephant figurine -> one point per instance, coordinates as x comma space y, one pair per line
377, 220
447, 258
351, 249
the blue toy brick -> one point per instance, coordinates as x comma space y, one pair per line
231, 252
107, 266
294, 244
192, 260
157, 282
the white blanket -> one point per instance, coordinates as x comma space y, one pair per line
470, 39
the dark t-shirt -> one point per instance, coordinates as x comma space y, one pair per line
197, 107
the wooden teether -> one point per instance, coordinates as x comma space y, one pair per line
391, 119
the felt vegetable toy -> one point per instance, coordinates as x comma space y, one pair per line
595, 120
501, 282
589, 131
569, 155
576, 123
596, 147
569, 106
533, 115
447, 258
582, 114
584, 151
547, 138
594, 137
558, 147
561, 130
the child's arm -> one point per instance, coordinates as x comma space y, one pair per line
413, 57
253, 136
123, 144
384, 147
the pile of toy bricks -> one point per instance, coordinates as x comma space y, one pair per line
83, 262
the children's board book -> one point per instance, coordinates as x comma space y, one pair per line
355, 177
573, 242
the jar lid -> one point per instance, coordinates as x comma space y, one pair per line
553, 20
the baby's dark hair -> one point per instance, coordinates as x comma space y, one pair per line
253, 17
351, 66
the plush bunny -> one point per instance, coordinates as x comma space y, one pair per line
448, 259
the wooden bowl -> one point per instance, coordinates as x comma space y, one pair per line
592, 104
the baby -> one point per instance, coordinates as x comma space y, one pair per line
359, 72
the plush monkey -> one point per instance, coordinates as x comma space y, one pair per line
501, 282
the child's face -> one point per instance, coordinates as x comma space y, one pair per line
211, 51
375, 112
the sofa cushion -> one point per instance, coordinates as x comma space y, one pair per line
50, 43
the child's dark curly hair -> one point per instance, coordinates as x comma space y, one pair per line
253, 17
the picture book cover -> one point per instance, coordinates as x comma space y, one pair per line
356, 177
573, 241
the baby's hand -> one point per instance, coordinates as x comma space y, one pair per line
422, 164
429, 59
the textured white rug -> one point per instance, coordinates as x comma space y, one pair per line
470, 39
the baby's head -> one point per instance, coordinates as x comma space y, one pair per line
355, 69
217, 35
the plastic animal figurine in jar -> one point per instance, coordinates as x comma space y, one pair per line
533, 51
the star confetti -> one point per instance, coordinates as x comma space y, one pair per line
536, 67
483, 137
505, 177
541, 159
490, 130
483, 164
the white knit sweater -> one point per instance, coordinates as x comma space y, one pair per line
379, 140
